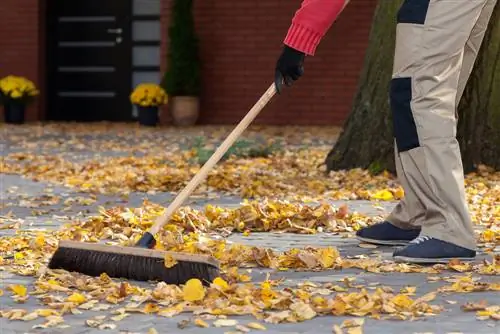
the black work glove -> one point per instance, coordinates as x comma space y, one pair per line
289, 67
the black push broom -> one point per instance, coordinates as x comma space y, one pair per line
142, 262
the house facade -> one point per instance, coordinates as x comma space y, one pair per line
86, 57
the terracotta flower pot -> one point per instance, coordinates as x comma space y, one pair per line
184, 110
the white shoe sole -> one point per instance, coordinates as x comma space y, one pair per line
384, 242
405, 259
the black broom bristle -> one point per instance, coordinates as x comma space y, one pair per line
134, 267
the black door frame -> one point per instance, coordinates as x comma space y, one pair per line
51, 65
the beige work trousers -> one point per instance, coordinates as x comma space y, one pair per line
437, 42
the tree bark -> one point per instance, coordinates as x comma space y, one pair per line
479, 109
367, 138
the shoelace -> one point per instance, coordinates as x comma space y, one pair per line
420, 239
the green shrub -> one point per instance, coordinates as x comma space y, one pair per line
182, 77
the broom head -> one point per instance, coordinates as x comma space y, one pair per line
133, 263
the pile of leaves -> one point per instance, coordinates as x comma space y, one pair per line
276, 182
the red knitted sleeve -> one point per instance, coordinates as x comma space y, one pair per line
311, 22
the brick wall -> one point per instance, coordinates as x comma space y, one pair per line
20, 38
240, 42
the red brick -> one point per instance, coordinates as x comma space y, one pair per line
20, 52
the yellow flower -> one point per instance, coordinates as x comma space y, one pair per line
17, 87
148, 94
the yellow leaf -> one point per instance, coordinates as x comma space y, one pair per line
256, 325
410, 290
1, 292
484, 313
328, 256
222, 284
200, 323
152, 331
76, 298
402, 301
47, 312
384, 195
169, 261
193, 290
19, 290
151, 308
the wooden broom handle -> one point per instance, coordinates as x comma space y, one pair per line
214, 159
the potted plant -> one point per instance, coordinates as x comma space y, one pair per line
182, 78
147, 97
15, 94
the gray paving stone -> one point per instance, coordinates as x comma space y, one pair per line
452, 320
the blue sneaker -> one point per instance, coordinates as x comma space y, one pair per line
426, 249
386, 234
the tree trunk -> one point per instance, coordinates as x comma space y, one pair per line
367, 138
479, 109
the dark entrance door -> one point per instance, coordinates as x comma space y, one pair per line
89, 60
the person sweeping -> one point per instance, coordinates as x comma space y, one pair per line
437, 42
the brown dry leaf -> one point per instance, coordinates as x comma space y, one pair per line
107, 326
93, 323
427, 297
183, 323
278, 317
303, 311
475, 306
349, 323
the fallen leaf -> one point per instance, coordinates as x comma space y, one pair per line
242, 329
256, 325
183, 323
221, 284
225, 323
200, 323
475, 306
120, 317
77, 298
337, 330
19, 290
107, 326
193, 290
169, 261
